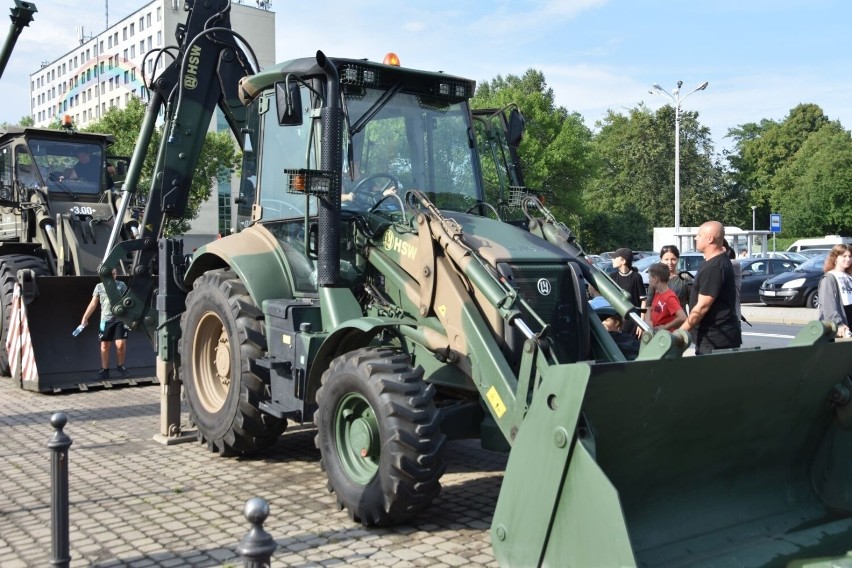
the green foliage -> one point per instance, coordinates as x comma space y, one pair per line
219, 157
635, 179
764, 149
813, 189
555, 150
614, 186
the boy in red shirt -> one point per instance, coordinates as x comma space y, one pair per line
666, 312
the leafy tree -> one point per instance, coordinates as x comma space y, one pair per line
219, 156
24, 121
555, 150
813, 188
763, 149
635, 181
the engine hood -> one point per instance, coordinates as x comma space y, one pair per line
497, 241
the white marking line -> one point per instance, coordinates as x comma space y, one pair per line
772, 335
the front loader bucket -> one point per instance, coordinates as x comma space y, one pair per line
730, 459
50, 359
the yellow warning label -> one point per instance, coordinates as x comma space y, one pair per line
496, 402
442, 310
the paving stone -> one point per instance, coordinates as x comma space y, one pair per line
135, 503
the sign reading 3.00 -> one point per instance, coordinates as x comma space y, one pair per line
81, 210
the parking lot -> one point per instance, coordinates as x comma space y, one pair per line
134, 502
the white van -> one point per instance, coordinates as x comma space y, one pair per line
827, 241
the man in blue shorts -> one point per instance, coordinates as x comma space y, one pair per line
111, 330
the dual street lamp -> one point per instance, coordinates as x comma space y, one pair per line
676, 98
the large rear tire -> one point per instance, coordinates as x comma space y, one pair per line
379, 436
222, 338
9, 266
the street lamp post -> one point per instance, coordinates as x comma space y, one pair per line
753, 217
676, 99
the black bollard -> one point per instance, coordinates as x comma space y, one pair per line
59, 444
257, 546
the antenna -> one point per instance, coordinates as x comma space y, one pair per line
81, 35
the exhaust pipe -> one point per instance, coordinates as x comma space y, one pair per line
331, 117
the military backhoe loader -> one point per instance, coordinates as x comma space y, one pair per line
55, 227
372, 293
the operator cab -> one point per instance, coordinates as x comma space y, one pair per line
403, 129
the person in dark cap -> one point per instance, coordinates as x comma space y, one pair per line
630, 281
612, 322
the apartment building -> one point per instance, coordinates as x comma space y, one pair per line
107, 68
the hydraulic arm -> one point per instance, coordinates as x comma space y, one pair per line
205, 74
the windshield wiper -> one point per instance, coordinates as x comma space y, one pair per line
52, 177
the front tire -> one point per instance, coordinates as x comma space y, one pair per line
222, 338
812, 300
379, 435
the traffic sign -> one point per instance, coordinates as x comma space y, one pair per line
775, 222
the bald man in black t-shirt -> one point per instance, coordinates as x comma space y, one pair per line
713, 311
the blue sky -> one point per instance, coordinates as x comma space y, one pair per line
761, 57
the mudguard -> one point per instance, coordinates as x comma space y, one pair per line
257, 258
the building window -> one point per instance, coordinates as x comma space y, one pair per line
159, 13
124, 33
132, 26
148, 20
125, 55
126, 76
141, 24
224, 213
159, 38
150, 43
132, 51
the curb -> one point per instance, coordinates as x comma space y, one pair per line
758, 313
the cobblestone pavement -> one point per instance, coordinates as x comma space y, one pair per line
134, 502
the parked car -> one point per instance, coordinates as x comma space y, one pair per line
643, 264
810, 253
757, 270
795, 288
801, 257
690, 261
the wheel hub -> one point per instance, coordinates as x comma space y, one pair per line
358, 439
223, 358
361, 434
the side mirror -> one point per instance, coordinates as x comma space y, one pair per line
747, 272
288, 104
516, 128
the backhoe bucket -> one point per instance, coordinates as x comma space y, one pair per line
43, 354
730, 459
